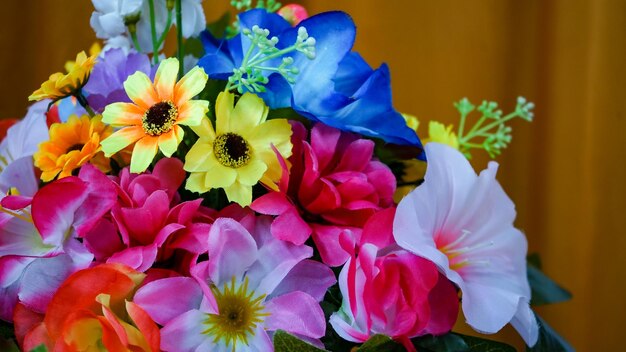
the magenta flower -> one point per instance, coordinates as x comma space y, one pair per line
39, 246
464, 223
334, 187
387, 290
251, 285
147, 223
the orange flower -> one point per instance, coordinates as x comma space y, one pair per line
71, 145
92, 311
61, 85
153, 120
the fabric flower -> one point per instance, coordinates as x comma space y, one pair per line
397, 294
464, 224
108, 75
61, 85
92, 311
243, 293
241, 151
337, 88
293, 13
147, 223
108, 19
71, 145
39, 246
153, 120
334, 186
16, 150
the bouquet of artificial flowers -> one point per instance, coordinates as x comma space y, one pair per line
255, 192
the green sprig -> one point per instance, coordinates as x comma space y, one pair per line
490, 131
250, 75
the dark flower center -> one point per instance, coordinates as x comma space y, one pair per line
75, 147
231, 150
159, 118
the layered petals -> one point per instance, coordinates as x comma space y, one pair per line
464, 224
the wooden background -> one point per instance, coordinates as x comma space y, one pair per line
566, 171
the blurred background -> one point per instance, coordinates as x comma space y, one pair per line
566, 171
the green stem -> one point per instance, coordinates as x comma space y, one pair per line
461, 126
476, 126
179, 37
494, 124
272, 56
168, 24
155, 47
83, 102
133, 35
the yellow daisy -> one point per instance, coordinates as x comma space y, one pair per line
71, 145
438, 132
153, 120
61, 85
238, 153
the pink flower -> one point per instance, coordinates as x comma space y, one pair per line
387, 290
147, 224
39, 245
293, 13
464, 224
334, 187
251, 285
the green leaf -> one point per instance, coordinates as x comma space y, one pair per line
544, 290
380, 343
443, 343
284, 342
40, 348
549, 340
459, 343
8, 345
483, 345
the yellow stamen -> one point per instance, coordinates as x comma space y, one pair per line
239, 314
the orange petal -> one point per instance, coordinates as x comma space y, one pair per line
144, 152
140, 90
190, 85
122, 114
165, 78
121, 139
192, 112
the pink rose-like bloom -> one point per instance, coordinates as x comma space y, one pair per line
252, 285
147, 223
464, 223
387, 290
334, 187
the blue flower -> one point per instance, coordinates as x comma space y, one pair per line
337, 88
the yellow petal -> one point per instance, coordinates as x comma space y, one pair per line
199, 158
223, 109
205, 130
168, 143
192, 112
251, 173
249, 112
195, 183
276, 132
145, 150
190, 85
220, 176
140, 90
121, 139
122, 114
239, 193
165, 78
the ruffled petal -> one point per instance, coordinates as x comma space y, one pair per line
231, 250
168, 298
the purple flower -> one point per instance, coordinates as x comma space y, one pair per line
105, 86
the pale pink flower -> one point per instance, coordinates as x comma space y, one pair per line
251, 285
464, 223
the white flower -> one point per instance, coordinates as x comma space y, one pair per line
464, 224
194, 21
108, 18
